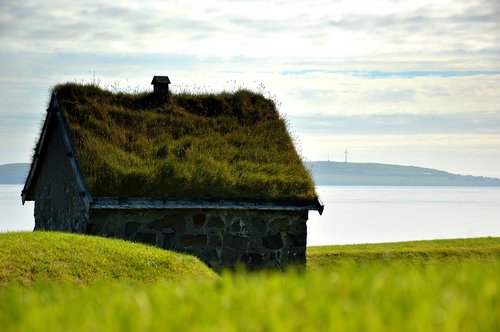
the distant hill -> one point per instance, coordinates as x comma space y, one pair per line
338, 174
371, 174
14, 173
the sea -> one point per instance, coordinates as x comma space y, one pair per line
358, 214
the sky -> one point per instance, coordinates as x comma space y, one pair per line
402, 82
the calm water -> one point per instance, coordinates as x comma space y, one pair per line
13, 215
388, 214
359, 214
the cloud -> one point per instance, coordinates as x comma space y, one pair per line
348, 95
433, 20
393, 74
393, 95
315, 29
448, 141
361, 67
453, 124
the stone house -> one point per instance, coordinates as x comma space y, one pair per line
92, 173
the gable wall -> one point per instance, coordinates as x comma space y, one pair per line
220, 238
59, 205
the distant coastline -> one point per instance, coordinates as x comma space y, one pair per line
338, 174
14, 173
372, 174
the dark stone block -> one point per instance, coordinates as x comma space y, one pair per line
279, 224
229, 256
215, 240
131, 228
208, 256
234, 241
193, 240
257, 226
271, 256
273, 242
252, 259
296, 240
301, 227
235, 226
215, 222
199, 220
149, 238
93, 229
169, 242
157, 224
296, 256
175, 222
254, 244
211, 254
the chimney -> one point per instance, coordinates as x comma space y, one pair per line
160, 85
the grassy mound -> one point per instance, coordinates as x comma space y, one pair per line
222, 146
60, 257
404, 252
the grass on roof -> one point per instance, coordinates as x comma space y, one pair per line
222, 146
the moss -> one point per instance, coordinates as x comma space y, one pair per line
222, 146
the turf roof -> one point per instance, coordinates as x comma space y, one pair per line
220, 146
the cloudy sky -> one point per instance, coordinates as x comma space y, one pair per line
404, 82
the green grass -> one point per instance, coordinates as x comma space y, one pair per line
35, 257
416, 252
421, 291
376, 297
222, 146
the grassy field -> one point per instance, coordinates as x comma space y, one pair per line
417, 252
417, 286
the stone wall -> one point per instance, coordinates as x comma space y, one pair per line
220, 238
59, 205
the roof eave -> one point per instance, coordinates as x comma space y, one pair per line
320, 207
160, 80
120, 203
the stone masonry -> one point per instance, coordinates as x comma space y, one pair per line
220, 238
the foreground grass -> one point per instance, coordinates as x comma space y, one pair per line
69, 258
429, 292
375, 297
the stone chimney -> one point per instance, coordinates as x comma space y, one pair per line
160, 85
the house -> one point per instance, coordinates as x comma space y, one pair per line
160, 85
214, 175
